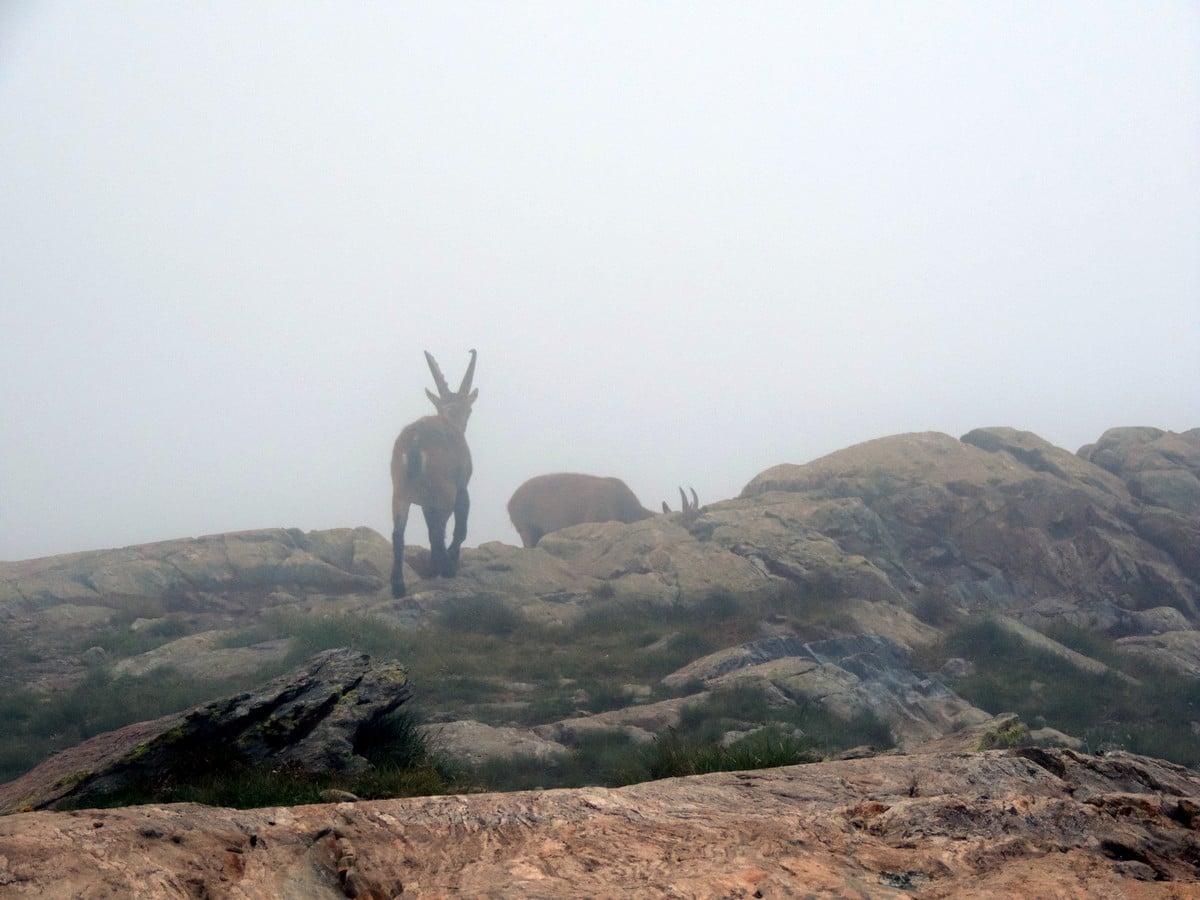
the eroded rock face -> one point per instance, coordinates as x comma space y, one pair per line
308, 720
1028, 823
1162, 468
1004, 520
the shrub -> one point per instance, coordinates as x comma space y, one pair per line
673, 755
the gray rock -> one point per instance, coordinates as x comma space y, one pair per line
957, 668
308, 720
1158, 620
846, 676
339, 561
93, 656
998, 519
474, 742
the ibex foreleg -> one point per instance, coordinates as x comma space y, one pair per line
398, 523
462, 507
436, 520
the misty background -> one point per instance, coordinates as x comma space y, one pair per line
689, 241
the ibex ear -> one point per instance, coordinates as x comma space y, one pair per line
666, 508
434, 398
474, 394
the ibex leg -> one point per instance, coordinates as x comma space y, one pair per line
436, 520
462, 507
398, 523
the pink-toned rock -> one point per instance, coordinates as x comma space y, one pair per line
1031, 823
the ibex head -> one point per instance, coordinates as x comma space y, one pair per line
452, 405
689, 512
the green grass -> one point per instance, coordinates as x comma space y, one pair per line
468, 660
1149, 712
119, 640
479, 658
777, 736
672, 756
34, 725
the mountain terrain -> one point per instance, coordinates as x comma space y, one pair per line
887, 608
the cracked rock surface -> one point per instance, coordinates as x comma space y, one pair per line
998, 823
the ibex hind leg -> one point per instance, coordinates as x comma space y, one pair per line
436, 520
462, 508
398, 589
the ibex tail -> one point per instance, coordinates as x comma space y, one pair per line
414, 461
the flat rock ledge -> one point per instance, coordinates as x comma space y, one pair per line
998, 823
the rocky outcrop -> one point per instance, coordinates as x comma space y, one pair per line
894, 541
1161, 468
999, 520
1002, 520
51, 607
308, 720
1028, 823
849, 677
219, 568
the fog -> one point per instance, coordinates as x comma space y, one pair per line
689, 242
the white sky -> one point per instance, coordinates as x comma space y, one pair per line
689, 240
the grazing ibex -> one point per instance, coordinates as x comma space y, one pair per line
549, 502
688, 512
431, 466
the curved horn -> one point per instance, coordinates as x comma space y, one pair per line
695, 499
683, 499
466, 382
438, 378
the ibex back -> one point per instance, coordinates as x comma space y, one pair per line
431, 465
547, 503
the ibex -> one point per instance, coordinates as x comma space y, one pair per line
431, 465
547, 503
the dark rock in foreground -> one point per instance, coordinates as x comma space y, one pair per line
306, 720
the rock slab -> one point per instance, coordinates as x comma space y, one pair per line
999, 823
307, 720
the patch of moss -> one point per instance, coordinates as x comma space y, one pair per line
1008, 735
71, 779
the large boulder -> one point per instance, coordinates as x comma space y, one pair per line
997, 520
308, 720
655, 560
1161, 468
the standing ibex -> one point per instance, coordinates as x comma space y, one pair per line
549, 502
431, 466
